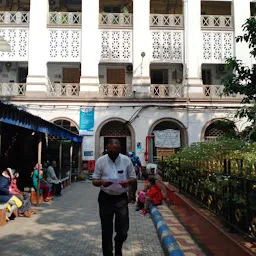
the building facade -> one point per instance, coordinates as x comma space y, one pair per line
143, 66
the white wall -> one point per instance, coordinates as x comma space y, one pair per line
194, 120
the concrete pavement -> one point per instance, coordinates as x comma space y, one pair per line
70, 225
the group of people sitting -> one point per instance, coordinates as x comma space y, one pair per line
48, 180
150, 195
16, 199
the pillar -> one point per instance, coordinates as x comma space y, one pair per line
193, 49
241, 11
39, 161
38, 48
89, 81
141, 44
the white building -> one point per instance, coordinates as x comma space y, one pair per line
142, 65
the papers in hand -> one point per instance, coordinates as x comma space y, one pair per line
117, 181
116, 187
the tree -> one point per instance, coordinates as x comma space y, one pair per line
243, 78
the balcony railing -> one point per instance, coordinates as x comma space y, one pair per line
64, 89
216, 91
166, 20
115, 19
65, 18
209, 21
12, 89
167, 90
115, 90
16, 18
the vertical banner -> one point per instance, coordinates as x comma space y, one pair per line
86, 126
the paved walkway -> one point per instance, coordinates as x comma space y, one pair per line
70, 225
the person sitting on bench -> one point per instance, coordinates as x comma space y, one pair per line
52, 178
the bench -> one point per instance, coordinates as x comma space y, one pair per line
3, 213
33, 195
65, 181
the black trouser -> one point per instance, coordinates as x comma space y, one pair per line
110, 205
57, 189
132, 191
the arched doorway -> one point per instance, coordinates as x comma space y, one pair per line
218, 127
167, 136
114, 128
60, 150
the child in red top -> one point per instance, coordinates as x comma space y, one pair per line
153, 196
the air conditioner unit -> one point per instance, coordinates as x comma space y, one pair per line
221, 69
3, 3
129, 68
54, 4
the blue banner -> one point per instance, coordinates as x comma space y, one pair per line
86, 121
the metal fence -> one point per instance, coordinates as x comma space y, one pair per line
227, 188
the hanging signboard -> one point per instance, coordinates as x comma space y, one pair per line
167, 138
86, 126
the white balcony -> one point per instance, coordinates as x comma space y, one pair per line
14, 18
65, 19
64, 90
12, 89
166, 21
217, 22
167, 90
115, 90
216, 91
115, 20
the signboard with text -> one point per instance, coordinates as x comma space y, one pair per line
86, 126
167, 138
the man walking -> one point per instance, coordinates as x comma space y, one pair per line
113, 173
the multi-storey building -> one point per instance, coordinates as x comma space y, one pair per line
142, 65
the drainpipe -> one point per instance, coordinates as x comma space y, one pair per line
146, 152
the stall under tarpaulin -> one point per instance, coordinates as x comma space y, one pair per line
11, 114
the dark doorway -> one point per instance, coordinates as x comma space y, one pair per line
159, 76
22, 75
122, 142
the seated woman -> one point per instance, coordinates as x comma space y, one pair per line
25, 210
153, 196
43, 184
5, 195
142, 194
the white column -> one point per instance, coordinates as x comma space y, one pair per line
89, 81
241, 12
141, 43
193, 49
38, 48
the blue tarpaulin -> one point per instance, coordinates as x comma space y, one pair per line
11, 114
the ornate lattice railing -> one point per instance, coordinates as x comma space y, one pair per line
209, 21
166, 90
115, 19
65, 18
167, 45
216, 91
12, 89
17, 18
115, 90
166, 20
64, 89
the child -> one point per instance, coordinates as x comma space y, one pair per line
153, 195
142, 194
